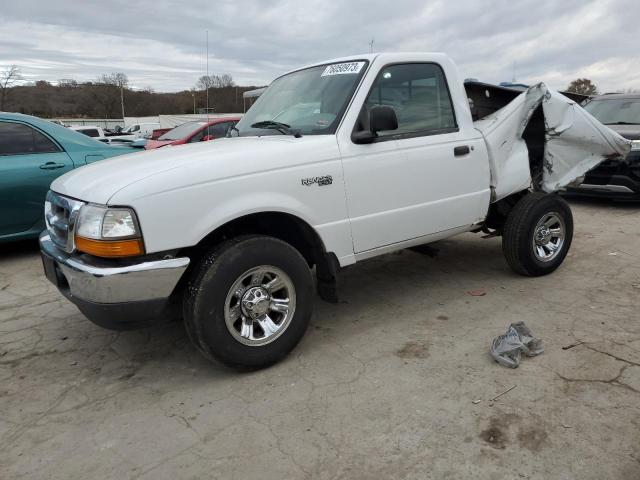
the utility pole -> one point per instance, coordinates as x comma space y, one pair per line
193, 95
122, 98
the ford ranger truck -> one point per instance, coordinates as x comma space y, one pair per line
335, 163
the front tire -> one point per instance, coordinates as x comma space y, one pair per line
537, 234
249, 302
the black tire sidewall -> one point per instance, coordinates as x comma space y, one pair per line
204, 310
546, 205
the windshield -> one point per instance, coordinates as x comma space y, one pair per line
310, 101
182, 131
615, 111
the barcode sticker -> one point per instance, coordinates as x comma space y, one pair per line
342, 69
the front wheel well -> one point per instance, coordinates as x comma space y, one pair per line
283, 226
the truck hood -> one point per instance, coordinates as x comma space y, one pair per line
544, 141
210, 161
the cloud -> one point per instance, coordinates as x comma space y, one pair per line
161, 44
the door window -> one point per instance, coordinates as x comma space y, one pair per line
90, 132
20, 139
219, 130
419, 95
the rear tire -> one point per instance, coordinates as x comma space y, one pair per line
537, 234
249, 301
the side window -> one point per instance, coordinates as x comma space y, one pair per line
20, 139
42, 144
90, 132
219, 130
135, 128
198, 136
419, 95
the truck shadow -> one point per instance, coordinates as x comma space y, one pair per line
398, 287
18, 250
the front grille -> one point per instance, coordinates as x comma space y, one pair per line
60, 215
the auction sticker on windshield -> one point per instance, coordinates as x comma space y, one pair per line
342, 68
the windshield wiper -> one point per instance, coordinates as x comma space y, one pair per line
621, 123
279, 126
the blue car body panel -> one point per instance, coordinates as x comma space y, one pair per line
25, 178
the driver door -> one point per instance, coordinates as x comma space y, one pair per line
428, 176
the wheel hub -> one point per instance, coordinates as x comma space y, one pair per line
548, 237
255, 302
543, 235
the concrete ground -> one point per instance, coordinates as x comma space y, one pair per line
394, 382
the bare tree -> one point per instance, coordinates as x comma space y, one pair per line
207, 81
117, 79
8, 78
214, 81
225, 80
583, 86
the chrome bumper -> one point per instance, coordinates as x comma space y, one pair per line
79, 279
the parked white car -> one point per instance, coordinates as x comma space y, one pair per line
140, 130
378, 153
92, 131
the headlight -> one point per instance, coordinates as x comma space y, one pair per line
635, 145
108, 232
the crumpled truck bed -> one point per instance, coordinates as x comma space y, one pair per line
544, 141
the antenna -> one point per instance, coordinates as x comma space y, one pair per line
514, 73
373, 40
208, 78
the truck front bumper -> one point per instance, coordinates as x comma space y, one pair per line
113, 295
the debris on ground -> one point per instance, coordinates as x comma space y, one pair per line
567, 347
477, 293
507, 349
500, 394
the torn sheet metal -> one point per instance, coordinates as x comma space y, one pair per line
574, 142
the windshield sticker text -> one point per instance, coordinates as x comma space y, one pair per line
342, 69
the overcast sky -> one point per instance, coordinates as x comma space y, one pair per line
161, 44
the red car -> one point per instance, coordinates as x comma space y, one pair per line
191, 132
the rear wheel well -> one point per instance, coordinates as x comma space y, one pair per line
499, 211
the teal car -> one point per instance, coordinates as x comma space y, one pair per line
33, 153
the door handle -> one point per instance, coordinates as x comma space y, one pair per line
459, 151
51, 166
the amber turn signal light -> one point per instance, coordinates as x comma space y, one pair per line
110, 248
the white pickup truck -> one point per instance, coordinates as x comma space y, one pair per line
335, 163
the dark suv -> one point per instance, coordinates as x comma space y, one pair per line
616, 178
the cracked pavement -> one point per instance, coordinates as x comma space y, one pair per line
384, 385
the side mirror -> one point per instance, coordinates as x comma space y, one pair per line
381, 118
206, 138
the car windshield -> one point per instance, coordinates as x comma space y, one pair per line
310, 101
615, 111
182, 131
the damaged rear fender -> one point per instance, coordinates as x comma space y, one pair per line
526, 153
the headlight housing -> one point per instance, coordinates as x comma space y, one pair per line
108, 232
